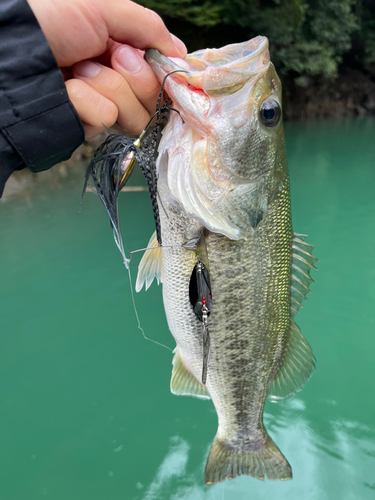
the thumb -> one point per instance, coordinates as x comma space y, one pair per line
132, 24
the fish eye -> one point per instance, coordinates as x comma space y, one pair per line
270, 113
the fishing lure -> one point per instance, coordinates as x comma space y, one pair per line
113, 163
201, 299
110, 169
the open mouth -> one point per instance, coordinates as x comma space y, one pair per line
216, 72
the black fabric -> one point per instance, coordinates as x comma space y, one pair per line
39, 126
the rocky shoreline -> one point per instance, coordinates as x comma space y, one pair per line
352, 93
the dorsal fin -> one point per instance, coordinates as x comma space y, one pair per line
299, 361
183, 383
302, 262
297, 367
150, 266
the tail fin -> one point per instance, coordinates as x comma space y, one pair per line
225, 461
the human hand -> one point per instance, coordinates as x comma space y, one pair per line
118, 86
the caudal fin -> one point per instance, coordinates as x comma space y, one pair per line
225, 461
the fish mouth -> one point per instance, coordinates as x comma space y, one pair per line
215, 72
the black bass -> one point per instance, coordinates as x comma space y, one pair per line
223, 196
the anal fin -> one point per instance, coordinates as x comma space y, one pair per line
183, 383
296, 369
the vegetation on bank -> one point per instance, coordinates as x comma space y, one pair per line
312, 42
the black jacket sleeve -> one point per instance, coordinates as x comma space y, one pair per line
39, 126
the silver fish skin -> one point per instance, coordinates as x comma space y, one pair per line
223, 182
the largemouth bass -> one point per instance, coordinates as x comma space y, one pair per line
223, 195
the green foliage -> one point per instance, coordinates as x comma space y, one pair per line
308, 59
370, 45
367, 30
206, 14
308, 38
332, 23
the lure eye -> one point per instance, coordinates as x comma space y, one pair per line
270, 113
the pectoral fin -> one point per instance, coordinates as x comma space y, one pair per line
297, 367
183, 383
150, 266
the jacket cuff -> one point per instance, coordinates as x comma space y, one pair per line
47, 138
37, 119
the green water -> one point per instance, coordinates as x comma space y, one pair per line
85, 407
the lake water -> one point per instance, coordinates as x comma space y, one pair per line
85, 407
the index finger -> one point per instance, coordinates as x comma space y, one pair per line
132, 24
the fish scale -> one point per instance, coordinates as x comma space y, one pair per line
224, 183
248, 333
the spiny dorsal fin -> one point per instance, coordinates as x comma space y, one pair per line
150, 266
183, 383
302, 262
297, 367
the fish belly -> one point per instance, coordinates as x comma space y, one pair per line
178, 265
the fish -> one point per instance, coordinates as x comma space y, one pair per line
224, 203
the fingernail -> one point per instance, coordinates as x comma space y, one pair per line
129, 59
87, 69
181, 47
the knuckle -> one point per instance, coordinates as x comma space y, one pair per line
116, 83
154, 17
75, 88
156, 23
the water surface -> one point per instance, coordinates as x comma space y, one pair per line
85, 407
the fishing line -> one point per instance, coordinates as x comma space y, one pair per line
185, 245
189, 245
111, 167
137, 317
